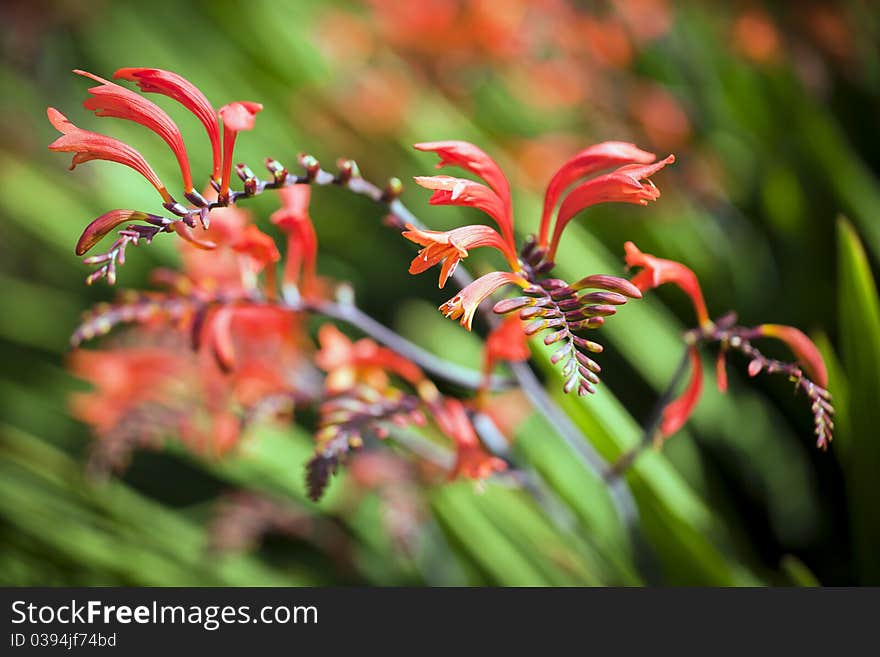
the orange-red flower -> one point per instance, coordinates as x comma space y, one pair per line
450, 247
103, 225
590, 160
87, 145
471, 459
124, 379
496, 202
676, 414
465, 303
302, 243
627, 184
156, 80
505, 342
657, 271
110, 99
236, 117
804, 350
348, 363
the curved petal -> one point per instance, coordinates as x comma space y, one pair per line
302, 242
623, 185
89, 146
802, 347
590, 160
186, 233
156, 80
471, 158
237, 116
103, 225
471, 459
465, 303
676, 414
657, 271
450, 247
110, 99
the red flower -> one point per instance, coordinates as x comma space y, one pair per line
103, 225
471, 459
451, 247
657, 271
506, 342
465, 303
155, 80
495, 202
590, 160
236, 117
676, 414
348, 363
804, 350
625, 185
109, 99
124, 379
93, 146
302, 243
259, 248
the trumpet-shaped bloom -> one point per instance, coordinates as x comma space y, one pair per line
237, 116
156, 80
87, 146
657, 271
302, 243
590, 160
460, 191
628, 184
450, 247
465, 303
494, 200
110, 99
804, 350
676, 414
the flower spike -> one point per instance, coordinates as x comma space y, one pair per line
156, 80
87, 145
110, 99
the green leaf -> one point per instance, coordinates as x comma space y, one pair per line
859, 317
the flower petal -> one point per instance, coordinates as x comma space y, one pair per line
103, 225
156, 80
802, 347
676, 414
657, 271
89, 146
110, 99
590, 160
465, 303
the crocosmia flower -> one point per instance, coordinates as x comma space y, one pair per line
657, 271
156, 80
87, 145
110, 99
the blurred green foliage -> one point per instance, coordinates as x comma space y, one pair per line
776, 148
